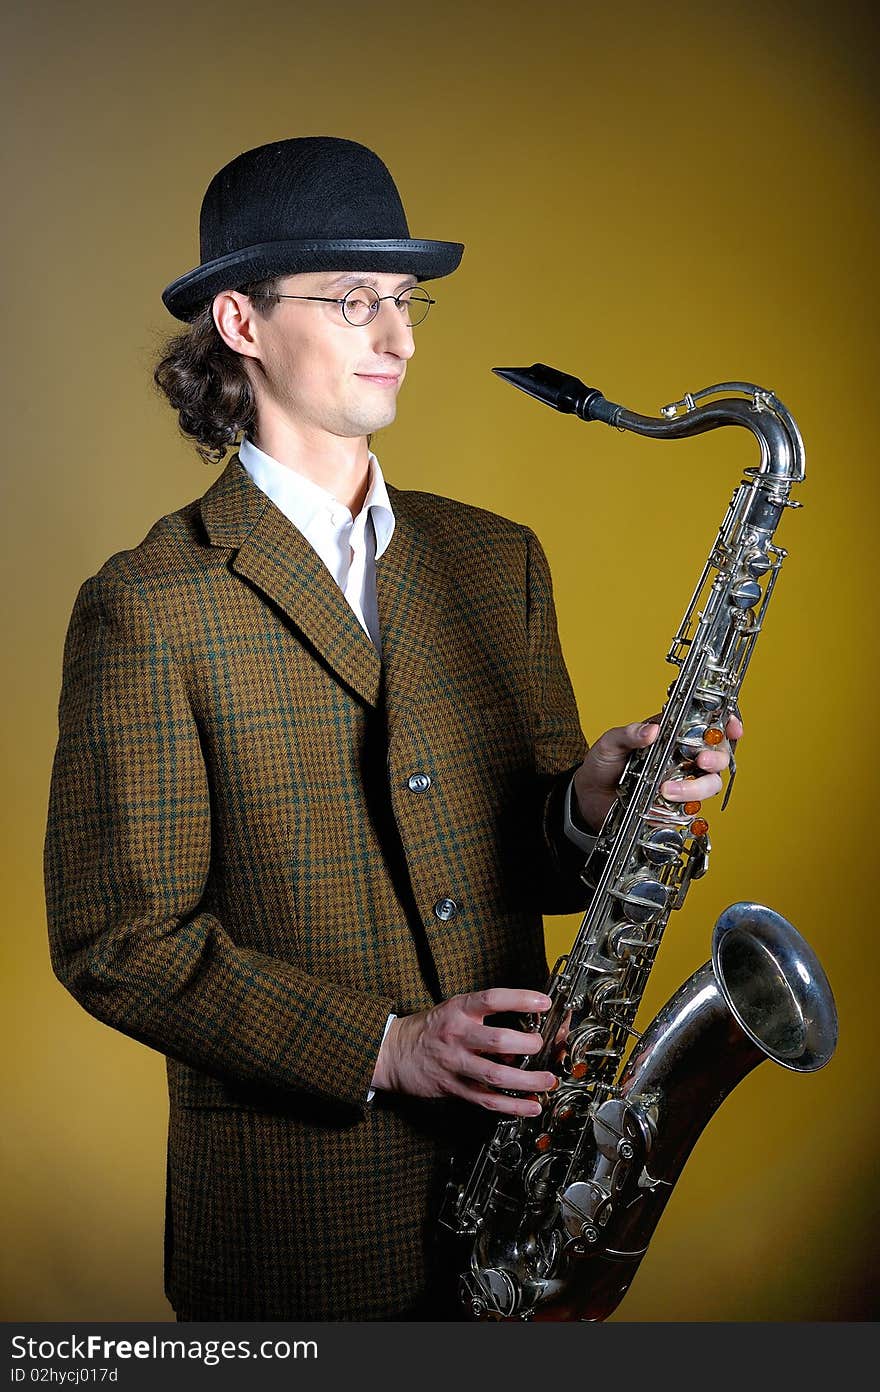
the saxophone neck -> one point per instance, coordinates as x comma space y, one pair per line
753, 408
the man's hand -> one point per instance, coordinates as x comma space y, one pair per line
441, 1052
597, 778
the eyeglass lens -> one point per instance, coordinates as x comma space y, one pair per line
361, 305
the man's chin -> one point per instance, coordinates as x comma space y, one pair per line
366, 422
378, 421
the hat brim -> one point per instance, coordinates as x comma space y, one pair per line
185, 296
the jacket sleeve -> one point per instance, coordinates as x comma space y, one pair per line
126, 859
559, 743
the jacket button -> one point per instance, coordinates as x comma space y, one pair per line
445, 909
418, 782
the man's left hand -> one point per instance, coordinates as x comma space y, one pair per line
597, 778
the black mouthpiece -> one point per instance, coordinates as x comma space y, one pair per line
559, 390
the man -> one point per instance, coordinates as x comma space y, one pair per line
319, 774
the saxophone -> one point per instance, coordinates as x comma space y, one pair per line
558, 1209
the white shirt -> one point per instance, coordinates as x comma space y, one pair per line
349, 549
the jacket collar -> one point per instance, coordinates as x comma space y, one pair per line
411, 586
302, 500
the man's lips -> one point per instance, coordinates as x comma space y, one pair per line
383, 379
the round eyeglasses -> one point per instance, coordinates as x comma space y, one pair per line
360, 305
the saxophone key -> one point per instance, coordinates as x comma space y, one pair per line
605, 1000
693, 741
569, 1112
643, 898
661, 845
745, 595
623, 1131
585, 1207
587, 1042
626, 940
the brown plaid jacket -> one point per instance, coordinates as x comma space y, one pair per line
240, 874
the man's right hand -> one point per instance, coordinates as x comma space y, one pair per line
441, 1052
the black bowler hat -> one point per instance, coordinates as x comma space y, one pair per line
314, 203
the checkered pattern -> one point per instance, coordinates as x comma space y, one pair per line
239, 875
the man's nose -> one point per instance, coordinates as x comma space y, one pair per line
391, 331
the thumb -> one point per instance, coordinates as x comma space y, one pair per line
645, 731
622, 738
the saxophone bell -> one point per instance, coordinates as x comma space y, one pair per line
775, 987
763, 995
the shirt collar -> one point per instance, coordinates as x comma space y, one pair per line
301, 499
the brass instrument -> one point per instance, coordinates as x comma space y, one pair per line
559, 1209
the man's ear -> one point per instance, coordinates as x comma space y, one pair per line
236, 322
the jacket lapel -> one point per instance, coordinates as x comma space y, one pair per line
271, 553
412, 591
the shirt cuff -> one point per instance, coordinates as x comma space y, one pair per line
576, 833
372, 1093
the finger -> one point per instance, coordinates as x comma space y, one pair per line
615, 744
691, 789
718, 757
498, 1075
713, 760
491, 1039
500, 1102
500, 999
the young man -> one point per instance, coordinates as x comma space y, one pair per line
319, 774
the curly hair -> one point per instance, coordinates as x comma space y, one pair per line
205, 380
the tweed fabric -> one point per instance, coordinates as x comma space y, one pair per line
239, 875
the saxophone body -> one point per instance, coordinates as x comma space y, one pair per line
558, 1210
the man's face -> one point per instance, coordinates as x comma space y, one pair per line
319, 371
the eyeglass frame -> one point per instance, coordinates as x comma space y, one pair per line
326, 299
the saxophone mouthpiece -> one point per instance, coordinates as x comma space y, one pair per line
559, 390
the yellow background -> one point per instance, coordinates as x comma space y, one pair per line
654, 198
